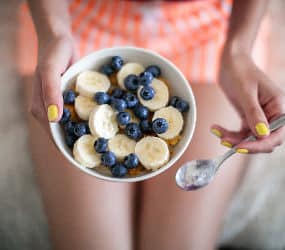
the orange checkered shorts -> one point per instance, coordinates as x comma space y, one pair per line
189, 33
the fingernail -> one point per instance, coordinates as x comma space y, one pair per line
261, 129
52, 113
227, 144
216, 132
242, 151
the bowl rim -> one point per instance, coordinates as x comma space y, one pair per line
90, 171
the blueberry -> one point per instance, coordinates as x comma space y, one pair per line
141, 111
108, 159
87, 127
117, 93
131, 161
159, 125
68, 96
118, 104
80, 129
70, 140
102, 98
154, 70
117, 62
131, 82
119, 170
69, 127
146, 126
131, 100
101, 145
173, 100
133, 131
147, 93
66, 115
123, 118
107, 69
182, 105
145, 78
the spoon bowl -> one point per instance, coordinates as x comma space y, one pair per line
195, 174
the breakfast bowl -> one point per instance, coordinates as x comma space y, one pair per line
178, 87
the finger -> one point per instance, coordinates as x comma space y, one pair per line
264, 145
37, 108
52, 97
217, 130
50, 70
244, 125
255, 116
275, 108
223, 132
231, 138
41, 117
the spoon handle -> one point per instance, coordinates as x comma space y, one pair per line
274, 125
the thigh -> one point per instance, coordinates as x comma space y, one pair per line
175, 219
82, 211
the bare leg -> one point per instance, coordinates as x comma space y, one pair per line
83, 213
174, 219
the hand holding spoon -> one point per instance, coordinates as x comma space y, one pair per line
199, 173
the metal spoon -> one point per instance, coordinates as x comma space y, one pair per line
199, 173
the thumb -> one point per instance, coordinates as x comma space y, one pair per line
51, 93
255, 116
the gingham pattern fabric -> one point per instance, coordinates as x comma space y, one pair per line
189, 33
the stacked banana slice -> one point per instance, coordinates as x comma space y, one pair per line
121, 146
90, 82
148, 145
152, 152
102, 122
174, 119
84, 153
161, 97
128, 69
83, 106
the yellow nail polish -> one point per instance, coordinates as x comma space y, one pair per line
216, 132
227, 144
242, 151
52, 113
261, 129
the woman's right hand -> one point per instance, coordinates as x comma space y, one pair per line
55, 55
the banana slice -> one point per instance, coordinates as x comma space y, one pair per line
84, 152
174, 119
160, 98
90, 82
121, 146
83, 106
128, 69
152, 152
102, 121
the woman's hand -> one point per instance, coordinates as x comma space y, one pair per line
256, 98
55, 55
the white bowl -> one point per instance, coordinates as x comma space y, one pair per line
178, 86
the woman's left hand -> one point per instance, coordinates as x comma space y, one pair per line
258, 101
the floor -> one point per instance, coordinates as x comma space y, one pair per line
22, 224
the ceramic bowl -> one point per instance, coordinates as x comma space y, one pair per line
178, 86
